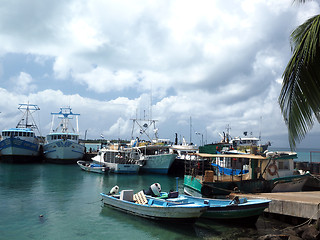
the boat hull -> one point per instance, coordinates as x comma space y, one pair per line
63, 151
18, 150
230, 210
122, 168
173, 213
208, 189
159, 164
91, 168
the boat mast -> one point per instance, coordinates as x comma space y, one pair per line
66, 114
24, 123
190, 130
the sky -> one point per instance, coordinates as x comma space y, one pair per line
194, 66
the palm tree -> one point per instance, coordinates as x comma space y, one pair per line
300, 94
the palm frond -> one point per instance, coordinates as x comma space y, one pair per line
300, 94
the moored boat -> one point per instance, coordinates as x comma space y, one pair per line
236, 210
246, 173
156, 157
92, 167
152, 208
63, 144
118, 161
20, 144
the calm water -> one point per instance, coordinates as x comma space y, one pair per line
69, 200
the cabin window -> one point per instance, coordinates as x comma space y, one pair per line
59, 136
69, 136
283, 165
20, 134
32, 134
24, 134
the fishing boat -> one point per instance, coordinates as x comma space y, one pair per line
156, 157
244, 144
118, 161
183, 152
20, 144
157, 209
92, 167
222, 174
63, 144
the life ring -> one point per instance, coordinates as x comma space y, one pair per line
272, 169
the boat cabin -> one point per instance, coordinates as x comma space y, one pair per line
17, 132
247, 166
52, 137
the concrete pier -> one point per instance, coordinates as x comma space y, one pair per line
294, 204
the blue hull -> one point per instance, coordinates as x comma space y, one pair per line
18, 150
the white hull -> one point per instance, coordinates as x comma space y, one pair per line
123, 168
91, 168
173, 212
63, 150
158, 163
116, 165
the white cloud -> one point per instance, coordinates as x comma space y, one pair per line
218, 62
23, 83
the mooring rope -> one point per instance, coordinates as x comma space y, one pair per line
314, 176
309, 220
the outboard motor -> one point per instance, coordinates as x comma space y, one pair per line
114, 190
154, 190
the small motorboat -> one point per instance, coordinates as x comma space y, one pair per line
242, 210
92, 167
157, 209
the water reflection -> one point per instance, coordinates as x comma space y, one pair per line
156, 229
19, 177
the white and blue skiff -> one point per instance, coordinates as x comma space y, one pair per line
152, 208
92, 167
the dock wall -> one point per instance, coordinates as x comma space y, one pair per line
294, 204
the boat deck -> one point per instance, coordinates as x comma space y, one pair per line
294, 204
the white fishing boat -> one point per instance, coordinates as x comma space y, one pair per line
118, 161
92, 167
63, 142
156, 157
157, 209
20, 144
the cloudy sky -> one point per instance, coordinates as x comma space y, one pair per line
217, 63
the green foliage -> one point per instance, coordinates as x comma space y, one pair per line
300, 94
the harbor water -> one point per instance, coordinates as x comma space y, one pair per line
48, 201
